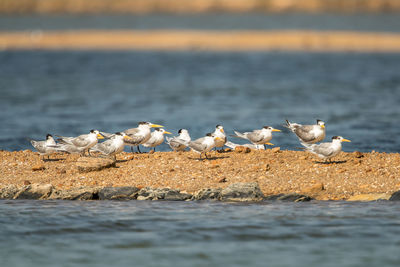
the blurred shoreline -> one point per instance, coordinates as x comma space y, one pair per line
194, 6
207, 40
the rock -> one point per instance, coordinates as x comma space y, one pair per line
293, 197
8, 192
118, 193
242, 192
149, 193
395, 196
82, 193
242, 149
89, 164
276, 149
370, 197
315, 189
38, 167
358, 154
208, 194
34, 191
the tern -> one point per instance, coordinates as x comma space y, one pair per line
251, 146
140, 135
258, 137
308, 134
156, 138
327, 150
112, 146
45, 147
178, 146
219, 131
83, 142
203, 144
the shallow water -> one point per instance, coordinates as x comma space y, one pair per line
103, 233
68, 93
388, 22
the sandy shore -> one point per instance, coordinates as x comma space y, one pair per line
177, 40
275, 171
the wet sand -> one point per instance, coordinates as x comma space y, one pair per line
274, 170
177, 40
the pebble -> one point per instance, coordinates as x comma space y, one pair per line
242, 149
38, 167
276, 149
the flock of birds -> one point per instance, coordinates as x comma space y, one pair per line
308, 135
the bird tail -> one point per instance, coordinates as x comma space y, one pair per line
167, 139
231, 145
238, 135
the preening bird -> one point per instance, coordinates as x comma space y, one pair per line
175, 144
308, 134
258, 137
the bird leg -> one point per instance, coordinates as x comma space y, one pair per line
139, 149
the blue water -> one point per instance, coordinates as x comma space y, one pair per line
135, 233
68, 93
386, 22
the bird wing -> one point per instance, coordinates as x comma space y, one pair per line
325, 149
107, 135
135, 140
305, 133
81, 141
131, 131
198, 144
255, 136
40, 146
105, 147
176, 143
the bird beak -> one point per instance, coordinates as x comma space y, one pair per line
222, 130
322, 126
345, 140
167, 132
100, 136
127, 137
217, 138
276, 130
156, 126
270, 144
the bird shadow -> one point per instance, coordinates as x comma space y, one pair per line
210, 158
330, 162
49, 160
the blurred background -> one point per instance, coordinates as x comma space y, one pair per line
69, 66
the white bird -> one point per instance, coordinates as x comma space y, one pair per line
219, 131
327, 150
203, 144
68, 148
112, 146
156, 138
258, 137
251, 146
178, 146
140, 135
308, 134
83, 142
45, 147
